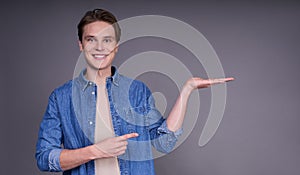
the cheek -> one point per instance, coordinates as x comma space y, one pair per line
111, 57
89, 47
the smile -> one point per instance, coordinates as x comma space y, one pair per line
99, 56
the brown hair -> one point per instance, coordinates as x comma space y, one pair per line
99, 15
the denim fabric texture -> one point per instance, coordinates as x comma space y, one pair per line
69, 123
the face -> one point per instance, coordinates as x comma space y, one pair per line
99, 45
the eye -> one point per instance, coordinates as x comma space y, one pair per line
107, 40
90, 39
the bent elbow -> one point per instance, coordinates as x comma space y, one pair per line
49, 161
42, 162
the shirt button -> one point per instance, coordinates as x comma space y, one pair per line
90, 83
91, 122
93, 93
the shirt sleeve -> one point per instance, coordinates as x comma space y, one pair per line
162, 138
48, 147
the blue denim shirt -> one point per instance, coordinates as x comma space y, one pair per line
69, 123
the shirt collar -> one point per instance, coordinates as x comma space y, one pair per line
116, 75
86, 83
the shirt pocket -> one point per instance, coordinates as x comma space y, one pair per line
137, 122
139, 148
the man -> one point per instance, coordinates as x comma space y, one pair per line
103, 122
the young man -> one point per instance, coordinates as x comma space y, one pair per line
103, 122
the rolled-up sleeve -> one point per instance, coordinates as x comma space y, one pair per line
48, 147
163, 129
162, 138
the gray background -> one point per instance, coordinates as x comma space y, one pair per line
257, 42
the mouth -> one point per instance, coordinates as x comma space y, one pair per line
99, 56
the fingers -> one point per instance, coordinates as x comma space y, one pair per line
128, 136
122, 151
228, 79
119, 150
121, 143
111, 147
220, 80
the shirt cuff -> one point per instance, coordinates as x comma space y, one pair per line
54, 163
163, 129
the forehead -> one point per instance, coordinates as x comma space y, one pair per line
99, 28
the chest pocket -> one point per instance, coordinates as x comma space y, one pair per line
137, 121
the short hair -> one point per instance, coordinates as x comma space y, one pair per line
99, 15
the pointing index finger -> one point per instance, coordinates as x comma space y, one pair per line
128, 136
228, 79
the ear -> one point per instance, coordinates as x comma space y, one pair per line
117, 48
80, 45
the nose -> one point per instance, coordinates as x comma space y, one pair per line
99, 46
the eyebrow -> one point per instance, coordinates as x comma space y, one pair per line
93, 36
109, 37
89, 36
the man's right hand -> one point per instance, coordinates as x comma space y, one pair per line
112, 147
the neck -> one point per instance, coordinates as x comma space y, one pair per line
98, 76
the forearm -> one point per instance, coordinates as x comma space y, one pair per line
109, 147
177, 114
72, 158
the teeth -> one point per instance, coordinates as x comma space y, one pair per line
99, 56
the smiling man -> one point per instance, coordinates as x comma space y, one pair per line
102, 122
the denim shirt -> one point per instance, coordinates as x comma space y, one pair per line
69, 123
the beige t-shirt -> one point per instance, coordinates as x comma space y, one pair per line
103, 130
